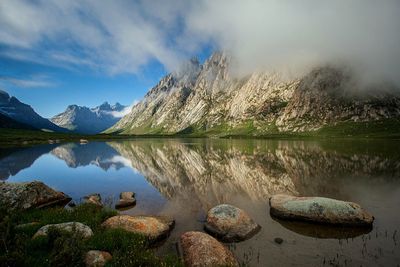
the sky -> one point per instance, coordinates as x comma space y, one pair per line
54, 53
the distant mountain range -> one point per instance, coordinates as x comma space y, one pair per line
208, 99
15, 114
86, 120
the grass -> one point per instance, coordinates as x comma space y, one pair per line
17, 248
388, 129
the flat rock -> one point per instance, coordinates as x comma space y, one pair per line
127, 195
27, 195
127, 199
68, 226
230, 223
97, 258
201, 249
154, 228
319, 210
93, 199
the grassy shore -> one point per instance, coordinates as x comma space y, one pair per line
17, 248
384, 129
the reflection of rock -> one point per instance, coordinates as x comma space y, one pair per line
15, 160
319, 210
127, 200
23, 196
93, 153
324, 231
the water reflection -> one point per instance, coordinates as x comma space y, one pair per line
184, 178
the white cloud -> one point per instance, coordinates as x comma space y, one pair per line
125, 111
124, 36
31, 82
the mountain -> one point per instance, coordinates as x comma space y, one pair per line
88, 120
15, 111
208, 99
7, 122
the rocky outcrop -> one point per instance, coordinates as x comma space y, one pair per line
97, 258
319, 210
230, 224
23, 196
127, 200
209, 99
78, 227
200, 249
155, 228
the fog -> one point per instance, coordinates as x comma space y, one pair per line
125, 36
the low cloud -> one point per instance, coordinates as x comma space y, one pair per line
125, 111
125, 36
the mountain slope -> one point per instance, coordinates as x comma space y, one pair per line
88, 121
7, 122
208, 99
12, 108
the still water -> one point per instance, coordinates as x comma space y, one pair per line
184, 178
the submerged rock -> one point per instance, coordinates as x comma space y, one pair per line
68, 226
230, 223
93, 199
155, 228
27, 195
201, 249
127, 199
97, 258
319, 210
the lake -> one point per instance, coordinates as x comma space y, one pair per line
184, 178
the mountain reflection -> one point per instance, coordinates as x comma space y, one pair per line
94, 153
212, 171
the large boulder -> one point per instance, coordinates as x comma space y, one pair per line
27, 195
68, 227
155, 228
319, 210
201, 249
97, 258
127, 200
230, 224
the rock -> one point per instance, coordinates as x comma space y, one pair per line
93, 199
201, 249
68, 226
155, 228
27, 195
278, 240
230, 223
127, 195
127, 199
319, 210
97, 258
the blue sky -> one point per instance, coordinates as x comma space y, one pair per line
54, 53
57, 53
